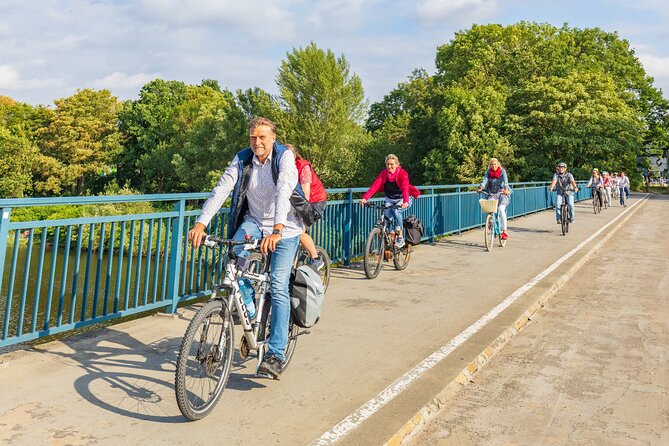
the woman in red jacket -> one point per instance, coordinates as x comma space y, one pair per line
314, 192
399, 192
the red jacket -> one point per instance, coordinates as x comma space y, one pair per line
402, 179
316, 190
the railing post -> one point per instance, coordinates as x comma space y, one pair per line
459, 191
433, 203
4, 234
348, 227
175, 257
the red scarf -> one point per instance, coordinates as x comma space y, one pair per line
495, 173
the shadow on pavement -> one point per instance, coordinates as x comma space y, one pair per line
133, 379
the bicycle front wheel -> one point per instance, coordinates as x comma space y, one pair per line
204, 361
401, 257
489, 232
374, 253
564, 221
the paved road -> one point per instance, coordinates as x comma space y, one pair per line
592, 368
115, 386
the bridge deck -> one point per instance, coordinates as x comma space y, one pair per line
115, 386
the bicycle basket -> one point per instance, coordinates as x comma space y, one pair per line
488, 206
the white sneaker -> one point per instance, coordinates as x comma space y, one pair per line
399, 242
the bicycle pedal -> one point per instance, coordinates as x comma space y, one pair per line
260, 374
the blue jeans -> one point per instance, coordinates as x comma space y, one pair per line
570, 202
280, 269
396, 215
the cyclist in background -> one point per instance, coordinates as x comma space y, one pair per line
623, 188
607, 181
564, 182
614, 185
399, 192
314, 192
495, 185
596, 185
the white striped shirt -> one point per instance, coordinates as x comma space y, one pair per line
269, 203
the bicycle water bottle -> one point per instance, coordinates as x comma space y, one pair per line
248, 296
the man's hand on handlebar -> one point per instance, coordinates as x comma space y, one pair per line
197, 234
269, 243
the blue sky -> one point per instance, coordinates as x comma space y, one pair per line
49, 49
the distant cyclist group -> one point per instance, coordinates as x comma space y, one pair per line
275, 197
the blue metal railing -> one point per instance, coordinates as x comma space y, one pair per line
59, 275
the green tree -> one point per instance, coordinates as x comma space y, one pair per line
179, 137
79, 144
578, 119
323, 106
17, 155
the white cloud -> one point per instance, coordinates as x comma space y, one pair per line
433, 11
262, 19
122, 81
655, 65
10, 79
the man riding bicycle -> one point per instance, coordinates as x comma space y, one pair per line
261, 209
565, 183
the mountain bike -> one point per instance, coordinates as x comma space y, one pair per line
207, 348
493, 226
565, 212
380, 245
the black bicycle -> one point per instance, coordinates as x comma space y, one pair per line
565, 212
380, 245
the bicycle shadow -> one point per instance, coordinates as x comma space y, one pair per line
133, 379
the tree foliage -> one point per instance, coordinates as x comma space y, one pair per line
79, 144
323, 106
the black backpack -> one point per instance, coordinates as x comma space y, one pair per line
413, 230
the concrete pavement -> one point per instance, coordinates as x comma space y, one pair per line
116, 385
591, 368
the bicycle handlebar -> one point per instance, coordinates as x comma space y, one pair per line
381, 206
212, 241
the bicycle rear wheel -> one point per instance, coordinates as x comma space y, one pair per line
402, 257
374, 253
489, 232
303, 259
204, 361
264, 332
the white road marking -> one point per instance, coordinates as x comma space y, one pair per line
368, 409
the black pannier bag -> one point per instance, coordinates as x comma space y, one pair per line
306, 296
413, 230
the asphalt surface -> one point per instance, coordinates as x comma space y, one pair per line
115, 386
